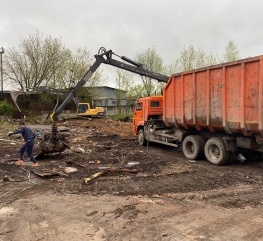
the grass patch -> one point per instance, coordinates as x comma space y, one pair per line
122, 116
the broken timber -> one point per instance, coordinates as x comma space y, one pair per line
47, 173
98, 174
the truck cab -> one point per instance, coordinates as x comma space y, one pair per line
145, 109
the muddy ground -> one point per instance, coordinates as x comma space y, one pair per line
152, 193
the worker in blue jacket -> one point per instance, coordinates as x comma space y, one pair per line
29, 137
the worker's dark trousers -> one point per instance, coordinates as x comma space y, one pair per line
28, 147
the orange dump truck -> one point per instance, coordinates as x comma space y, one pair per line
215, 111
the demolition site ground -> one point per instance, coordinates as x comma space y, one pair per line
140, 193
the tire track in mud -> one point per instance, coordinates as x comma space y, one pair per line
10, 193
225, 222
171, 198
37, 219
49, 219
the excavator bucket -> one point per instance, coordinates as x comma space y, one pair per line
51, 142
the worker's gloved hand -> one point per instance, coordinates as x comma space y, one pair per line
10, 133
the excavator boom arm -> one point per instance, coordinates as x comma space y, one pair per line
137, 69
106, 58
80, 84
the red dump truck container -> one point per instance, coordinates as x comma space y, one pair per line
214, 112
227, 97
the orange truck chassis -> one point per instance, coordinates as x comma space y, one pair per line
216, 112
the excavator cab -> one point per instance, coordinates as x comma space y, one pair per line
82, 108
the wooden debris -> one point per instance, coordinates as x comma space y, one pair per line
98, 174
76, 164
94, 162
45, 172
123, 170
6, 231
69, 170
13, 179
111, 169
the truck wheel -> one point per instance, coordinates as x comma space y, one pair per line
141, 138
252, 155
193, 146
215, 151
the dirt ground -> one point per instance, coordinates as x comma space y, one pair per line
152, 193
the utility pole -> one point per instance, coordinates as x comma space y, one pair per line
2, 81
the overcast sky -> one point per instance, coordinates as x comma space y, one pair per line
127, 27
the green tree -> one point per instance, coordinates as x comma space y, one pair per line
124, 85
6, 108
152, 62
138, 91
231, 52
190, 59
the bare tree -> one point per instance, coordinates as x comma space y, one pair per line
73, 69
43, 60
35, 61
